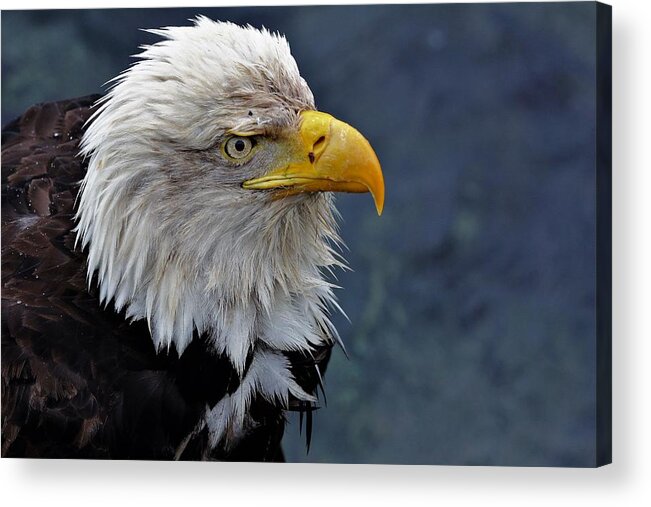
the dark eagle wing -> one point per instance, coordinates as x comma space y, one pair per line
43, 283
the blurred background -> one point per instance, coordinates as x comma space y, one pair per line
472, 298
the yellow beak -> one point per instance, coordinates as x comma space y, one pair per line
331, 157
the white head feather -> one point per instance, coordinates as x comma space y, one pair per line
171, 235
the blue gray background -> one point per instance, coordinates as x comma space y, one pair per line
472, 298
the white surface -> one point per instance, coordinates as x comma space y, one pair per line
626, 482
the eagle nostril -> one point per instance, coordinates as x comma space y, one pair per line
319, 143
316, 148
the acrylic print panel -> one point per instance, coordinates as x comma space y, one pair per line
479, 301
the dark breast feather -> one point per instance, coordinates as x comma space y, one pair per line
78, 380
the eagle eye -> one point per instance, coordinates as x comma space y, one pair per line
238, 147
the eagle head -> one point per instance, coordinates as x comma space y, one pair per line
207, 204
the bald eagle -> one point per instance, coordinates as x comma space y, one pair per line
165, 254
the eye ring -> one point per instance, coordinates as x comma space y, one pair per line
238, 147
